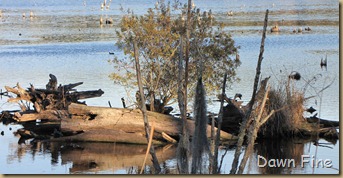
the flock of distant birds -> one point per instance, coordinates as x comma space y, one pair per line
31, 14
106, 5
299, 30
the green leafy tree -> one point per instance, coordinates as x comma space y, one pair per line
158, 35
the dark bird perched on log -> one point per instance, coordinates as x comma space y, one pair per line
167, 110
295, 75
323, 63
238, 95
311, 110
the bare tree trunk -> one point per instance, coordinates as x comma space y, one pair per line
152, 101
251, 103
183, 146
252, 132
220, 119
143, 108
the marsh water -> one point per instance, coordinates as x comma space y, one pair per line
65, 39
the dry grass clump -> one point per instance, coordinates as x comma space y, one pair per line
288, 104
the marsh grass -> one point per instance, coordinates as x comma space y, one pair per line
289, 106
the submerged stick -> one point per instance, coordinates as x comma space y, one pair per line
215, 169
149, 145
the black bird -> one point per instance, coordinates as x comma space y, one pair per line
238, 95
295, 75
111, 53
311, 110
323, 63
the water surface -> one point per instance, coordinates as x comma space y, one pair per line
65, 39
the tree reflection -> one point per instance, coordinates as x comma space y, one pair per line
280, 149
98, 157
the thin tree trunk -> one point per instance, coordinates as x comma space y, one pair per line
143, 108
252, 133
188, 26
183, 146
220, 119
251, 103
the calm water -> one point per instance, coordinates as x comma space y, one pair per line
30, 59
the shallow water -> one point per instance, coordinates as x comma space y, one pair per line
77, 52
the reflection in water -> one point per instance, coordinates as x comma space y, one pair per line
70, 21
113, 158
291, 151
282, 150
98, 157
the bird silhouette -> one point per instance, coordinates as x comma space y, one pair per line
238, 95
295, 75
323, 63
311, 110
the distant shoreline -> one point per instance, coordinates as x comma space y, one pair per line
45, 29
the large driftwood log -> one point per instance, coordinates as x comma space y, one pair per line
111, 123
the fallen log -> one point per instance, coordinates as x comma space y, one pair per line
313, 129
107, 135
74, 96
48, 115
100, 121
325, 123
